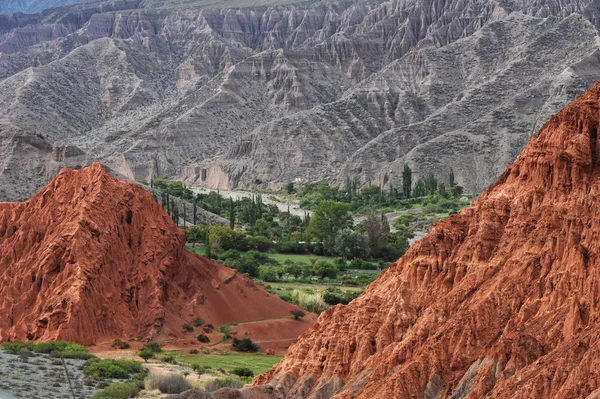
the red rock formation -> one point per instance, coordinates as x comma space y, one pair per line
90, 258
500, 301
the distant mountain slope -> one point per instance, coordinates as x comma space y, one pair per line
259, 96
30, 6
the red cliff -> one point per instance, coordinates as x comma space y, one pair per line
499, 301
91, 258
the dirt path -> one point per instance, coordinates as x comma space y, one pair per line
266, 198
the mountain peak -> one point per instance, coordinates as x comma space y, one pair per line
91, 258
500, 300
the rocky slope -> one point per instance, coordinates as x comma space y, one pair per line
30, 6
499, 301
262, 95
91, 258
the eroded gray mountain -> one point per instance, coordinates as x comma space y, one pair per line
258, 96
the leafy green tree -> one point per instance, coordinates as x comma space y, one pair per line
377, 228
328, 218
262, 228
350, 244
406, 181
324, 269
289, 187
269, 275
294, 270
145, 354
197, 234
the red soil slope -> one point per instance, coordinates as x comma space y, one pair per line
500, 301
90, 258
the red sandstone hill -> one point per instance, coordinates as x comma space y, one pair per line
90, 258
500, 301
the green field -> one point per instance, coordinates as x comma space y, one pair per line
281, 258
257, 363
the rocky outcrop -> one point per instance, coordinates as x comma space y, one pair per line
258, 96
498, 301
91, 258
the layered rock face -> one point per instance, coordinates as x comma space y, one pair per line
259, 95
499, 301
30, 6
91, 258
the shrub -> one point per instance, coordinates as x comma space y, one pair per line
168, 383
203, 338
243, 372
297, 314
199, 368
65, 349
145, 354
15, 348
198, 322
269, 275
154, 347
259, 243
218, 383
187, 328
312, 302
194, 351
209, 328
244, 345
110, 368
119, 390
167, 358
118, 344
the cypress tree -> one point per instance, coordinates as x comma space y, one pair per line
406, 181
231, 214
195, 212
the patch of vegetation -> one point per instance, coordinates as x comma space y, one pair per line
111, 368
187, 328
203, 338
297, 314
170, 383
258, 362
243, 372
226, 382
63, 349
119, 390
244, 345
197, 322
118, 344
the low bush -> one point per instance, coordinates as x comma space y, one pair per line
145, 354
17, 347
152, 346
244, 345
243, 372
119, 390
194, 351
187, 328
167, 358
118, 344
297, 314
65, 349
168, 383
227, 382
198, 322
203, 338
111, 368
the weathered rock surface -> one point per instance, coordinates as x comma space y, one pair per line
262, 95
91, 258
499, 301
30, 6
